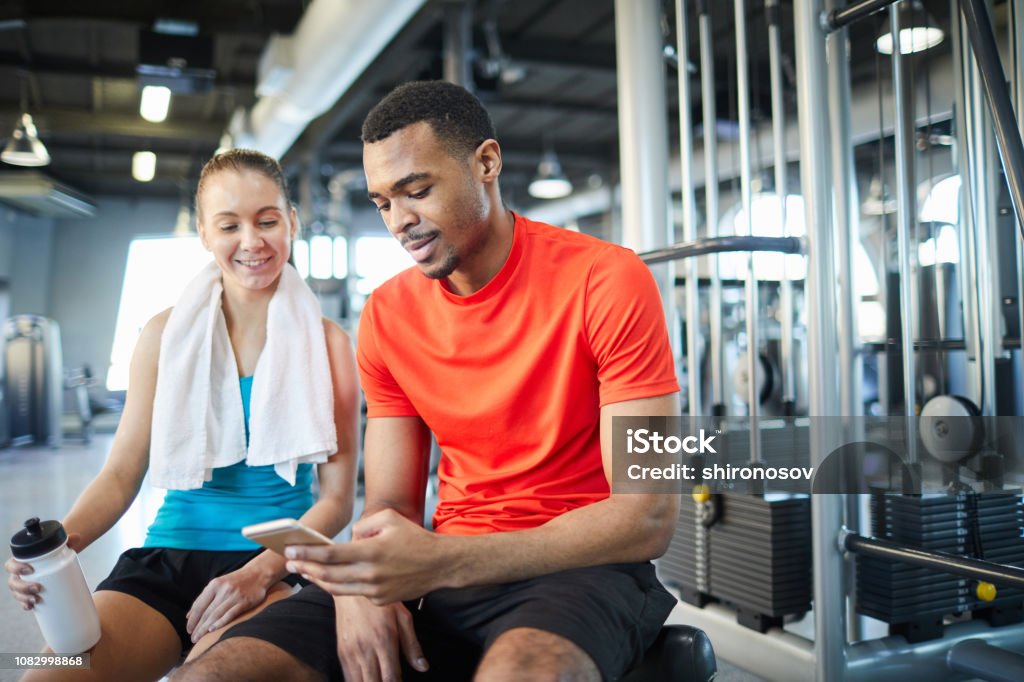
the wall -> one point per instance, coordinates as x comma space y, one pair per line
89, 259
26, 249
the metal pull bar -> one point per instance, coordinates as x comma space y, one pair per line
702, 247
977, 569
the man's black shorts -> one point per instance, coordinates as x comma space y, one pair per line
170, 580
612, 612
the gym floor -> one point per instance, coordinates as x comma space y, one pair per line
44, 482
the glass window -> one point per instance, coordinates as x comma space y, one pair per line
942, 205
155, 275
377, 260
765, 207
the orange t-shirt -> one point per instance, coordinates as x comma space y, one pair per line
511, 379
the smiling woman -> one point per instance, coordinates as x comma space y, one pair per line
237, 397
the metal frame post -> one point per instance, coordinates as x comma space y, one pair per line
967, 219
781, 191
458, 44
816, 183
643, 140
847, 235
1017, 83
694, 382
752, 306
709, 116
976, 16
906, 219
980, 205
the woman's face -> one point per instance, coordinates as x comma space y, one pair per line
246, 223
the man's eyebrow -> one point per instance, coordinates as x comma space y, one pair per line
399, 184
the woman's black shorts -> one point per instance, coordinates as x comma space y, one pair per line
170, 580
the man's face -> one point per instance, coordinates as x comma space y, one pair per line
432, 203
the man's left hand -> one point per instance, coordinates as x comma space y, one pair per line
390, 559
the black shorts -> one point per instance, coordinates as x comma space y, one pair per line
612, 612
170, 580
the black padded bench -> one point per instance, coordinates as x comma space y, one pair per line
681, 653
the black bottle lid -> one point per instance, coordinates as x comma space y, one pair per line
37, 538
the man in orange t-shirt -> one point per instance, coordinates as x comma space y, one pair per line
516, 349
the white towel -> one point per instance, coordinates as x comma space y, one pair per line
198, 423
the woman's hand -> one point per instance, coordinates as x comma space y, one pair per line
224, 599
25, 592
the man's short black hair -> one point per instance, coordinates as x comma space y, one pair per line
458, 118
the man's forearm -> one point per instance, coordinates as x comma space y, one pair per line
624, 528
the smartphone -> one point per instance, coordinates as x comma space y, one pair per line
277, 534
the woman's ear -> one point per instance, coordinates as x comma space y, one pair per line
202, 233
293, 214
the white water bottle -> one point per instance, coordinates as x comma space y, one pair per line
66, 613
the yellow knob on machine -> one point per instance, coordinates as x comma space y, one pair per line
701, 493
985, 591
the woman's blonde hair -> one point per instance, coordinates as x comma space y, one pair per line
243, 159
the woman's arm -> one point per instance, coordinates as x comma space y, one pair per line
110, 494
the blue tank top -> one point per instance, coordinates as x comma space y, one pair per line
212, 517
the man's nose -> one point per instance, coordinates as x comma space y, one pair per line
400, 218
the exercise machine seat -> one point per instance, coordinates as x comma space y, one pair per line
681, 653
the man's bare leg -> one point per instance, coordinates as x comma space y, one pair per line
245, 658
538, 656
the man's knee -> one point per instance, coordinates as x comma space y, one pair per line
244, 658
528, 653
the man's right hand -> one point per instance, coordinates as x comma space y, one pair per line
371, 638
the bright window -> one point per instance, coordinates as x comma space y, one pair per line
767, 222
156, 273
765, 208
321, 257
377, 260
942, 205
943, 202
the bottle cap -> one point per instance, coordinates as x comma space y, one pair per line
37, 538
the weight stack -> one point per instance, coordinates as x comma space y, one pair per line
685, 564
756, 556
914, 601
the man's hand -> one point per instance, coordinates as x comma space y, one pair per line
369, 639
391, 559
224, 599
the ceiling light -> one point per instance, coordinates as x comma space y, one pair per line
176, 27
156, 100
24, 147
550, 182
144, 166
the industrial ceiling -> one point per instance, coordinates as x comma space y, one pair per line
544, 68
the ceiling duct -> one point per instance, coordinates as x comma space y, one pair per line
182, 63
35, 193
334, 42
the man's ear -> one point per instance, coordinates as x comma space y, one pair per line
488, 160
